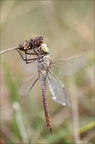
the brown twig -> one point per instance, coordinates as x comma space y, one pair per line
8, 50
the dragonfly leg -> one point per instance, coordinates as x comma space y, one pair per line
29, 60
20, 54
30, 53
37, 53
26, 59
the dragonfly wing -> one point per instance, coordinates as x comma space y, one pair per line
58, 91
28, 84
31, 67
69, 66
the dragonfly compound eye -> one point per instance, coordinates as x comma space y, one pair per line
44, 48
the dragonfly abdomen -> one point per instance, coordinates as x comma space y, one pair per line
45, 102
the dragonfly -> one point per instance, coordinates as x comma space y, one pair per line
27, 46
44, 72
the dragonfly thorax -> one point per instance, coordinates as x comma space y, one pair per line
47, 60
44, 64
42, 67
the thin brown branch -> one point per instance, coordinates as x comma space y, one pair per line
8, 50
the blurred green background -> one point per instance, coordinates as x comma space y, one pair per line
68, 30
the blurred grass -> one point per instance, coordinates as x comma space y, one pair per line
68, 29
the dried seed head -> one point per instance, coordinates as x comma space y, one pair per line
36, 42
31, 43
24, 46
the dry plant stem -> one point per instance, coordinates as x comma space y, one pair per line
8, 50
75, 111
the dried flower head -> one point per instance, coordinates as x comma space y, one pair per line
32, 43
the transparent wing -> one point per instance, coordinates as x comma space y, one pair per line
31, 67
69, 66
57, 90
28, 84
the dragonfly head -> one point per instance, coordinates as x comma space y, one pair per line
44, 48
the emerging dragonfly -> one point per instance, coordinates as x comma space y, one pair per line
44, 72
